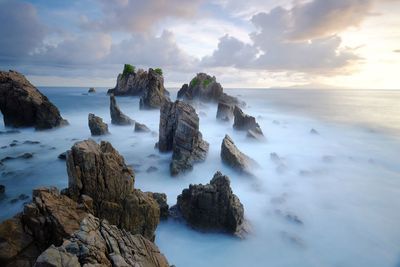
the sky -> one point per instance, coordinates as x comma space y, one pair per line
245, 44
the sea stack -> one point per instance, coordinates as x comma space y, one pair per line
117, 117
96, 125
23, 105
244, 122
179, 132
155, 94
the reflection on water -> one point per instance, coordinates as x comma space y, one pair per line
323, 200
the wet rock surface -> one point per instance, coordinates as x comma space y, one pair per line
96, 125
117, 117
100, 172
179, 132
23, 105
234, 158
213, 207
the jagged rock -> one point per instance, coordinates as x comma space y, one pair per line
244, 122
92, 90
205, 88
234, 158
161, 199
155, 94
117, 117
139, 127
23, 105
179, 132
101, 244
96, 125
100, 172
225, 111
212, 206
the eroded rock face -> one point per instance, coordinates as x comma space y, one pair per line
101, 244
23, 105
234, 158
212, 206
179, 132
205, 88
244, 122
96, 125
117, 117
100, 172
155, 94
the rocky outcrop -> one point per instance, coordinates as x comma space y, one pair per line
205, 88
141, 128
70, 236
155, 94
23, 105
213, 206
179, 132
244, 122
96, 125
100, 172
101, 244
234, 158
225, 111
117, 117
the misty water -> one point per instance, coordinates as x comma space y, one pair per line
331, 200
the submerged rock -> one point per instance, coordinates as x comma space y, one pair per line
96, 125
244, 122
313, 131
117, 117
139, 127
92, 90
234, 158
179, 132
205, 88
213, 207
100, 172
23, 105
22, 156
155, 94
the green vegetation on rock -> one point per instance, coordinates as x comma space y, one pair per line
207, 82
159, 71
128, 69
194, 82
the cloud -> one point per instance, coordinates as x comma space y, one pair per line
139, 15
20, 30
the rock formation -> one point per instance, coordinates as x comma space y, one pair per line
213, 206
179, 132
117, 117
225, 111
92, 90
155, 94
161, 199
139, 127
205, 88
96, 125
69, 236
234, 158
100, 172
244, 122
23, 105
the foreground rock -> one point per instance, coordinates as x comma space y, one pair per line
100, 172
213, 207
155, 94
205, 88
53, 220
244, 122
97, 126
234, 158
23, 105
179, 132
117, 117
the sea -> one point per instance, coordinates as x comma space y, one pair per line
326, 194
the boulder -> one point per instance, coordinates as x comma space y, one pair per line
179, 132
139, 127
100, 172
224, 111
234, 158
244, 122
155, 94
96, 125
117, 117
205, 88
212, 207
101, 244
92, 90
23, 105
